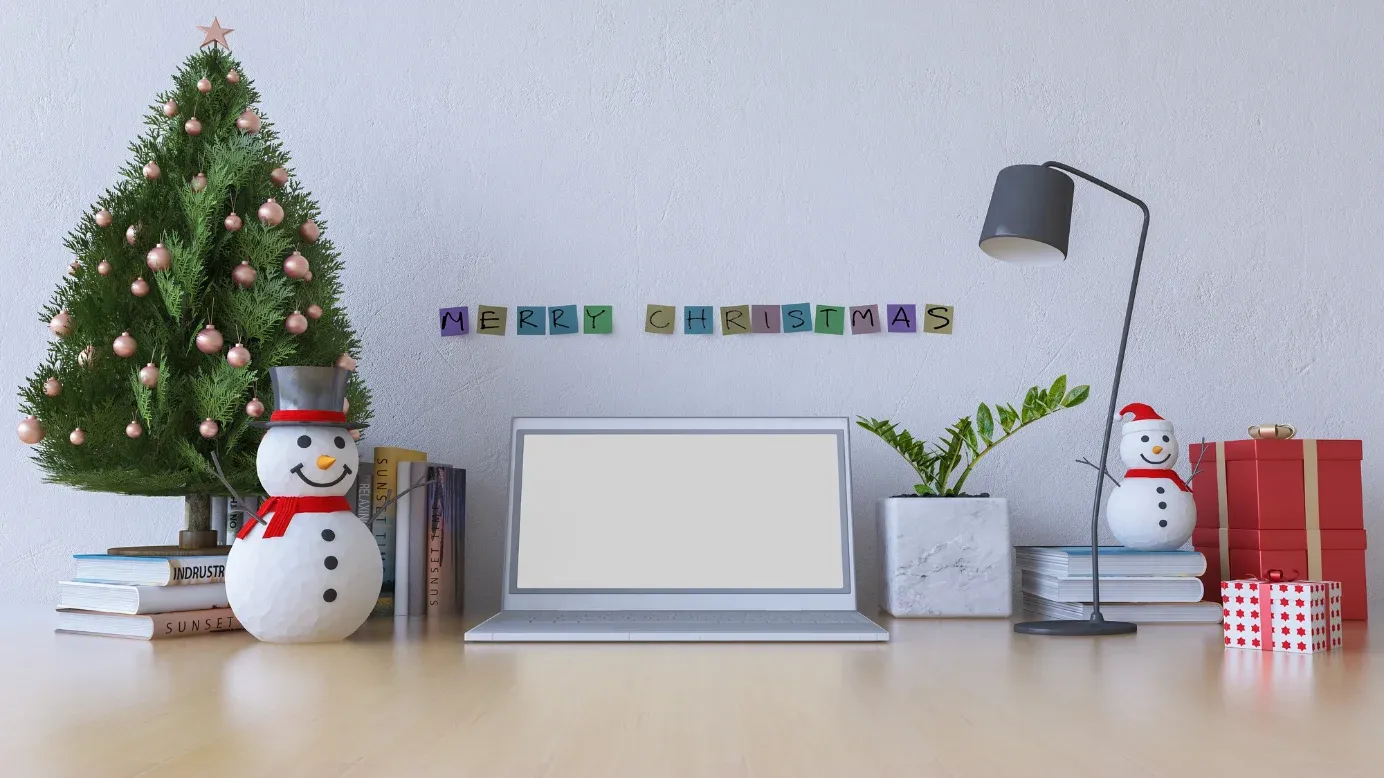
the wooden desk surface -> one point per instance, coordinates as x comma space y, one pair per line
945, 698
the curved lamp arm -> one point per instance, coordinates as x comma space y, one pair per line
1119, 370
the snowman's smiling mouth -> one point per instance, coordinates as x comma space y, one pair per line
298, 470
1141, 456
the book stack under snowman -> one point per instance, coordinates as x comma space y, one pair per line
146, 598
1144, 587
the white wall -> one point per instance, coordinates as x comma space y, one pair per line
749, 152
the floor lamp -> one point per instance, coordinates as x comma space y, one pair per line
1029, 221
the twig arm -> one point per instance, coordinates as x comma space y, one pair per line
238, 505
1196, 468
1089, 464
395, 498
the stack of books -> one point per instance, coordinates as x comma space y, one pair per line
1145, 587
421, 536
146, 598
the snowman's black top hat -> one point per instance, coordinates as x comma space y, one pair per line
308, 397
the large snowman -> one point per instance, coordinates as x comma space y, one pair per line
309, 570
1152, 510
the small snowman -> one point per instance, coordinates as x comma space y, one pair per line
1153, 509
308, 570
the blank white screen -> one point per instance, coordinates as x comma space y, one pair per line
680, 511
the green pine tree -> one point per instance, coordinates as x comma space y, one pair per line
100, 392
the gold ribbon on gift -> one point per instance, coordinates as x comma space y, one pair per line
1311, 505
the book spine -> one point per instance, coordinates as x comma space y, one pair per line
403, 530
362, 491
437, 591
453, 506
418, 543
182, 571
385, 471
178, 625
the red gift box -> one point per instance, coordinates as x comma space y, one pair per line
1301, 617
1290, 505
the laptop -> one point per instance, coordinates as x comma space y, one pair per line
661, 529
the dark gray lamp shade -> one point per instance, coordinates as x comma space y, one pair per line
1030, 216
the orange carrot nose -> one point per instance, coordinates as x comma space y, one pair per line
324, 461
1156, 450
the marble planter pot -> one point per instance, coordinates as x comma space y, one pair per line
945, 556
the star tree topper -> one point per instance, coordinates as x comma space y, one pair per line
215, 34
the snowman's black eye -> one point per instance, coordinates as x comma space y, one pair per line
340, 442
304, 441
1145, 438
1165, 438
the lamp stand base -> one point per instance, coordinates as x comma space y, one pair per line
1076, 628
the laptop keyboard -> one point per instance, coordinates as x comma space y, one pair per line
628, 618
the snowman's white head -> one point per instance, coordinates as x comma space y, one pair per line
1149, 448
307, 461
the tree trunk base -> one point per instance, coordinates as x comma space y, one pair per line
168, 551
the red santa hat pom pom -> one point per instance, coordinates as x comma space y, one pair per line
1145, 418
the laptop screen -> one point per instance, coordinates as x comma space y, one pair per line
684, 510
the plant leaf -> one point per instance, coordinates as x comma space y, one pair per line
1033, 408
1076, 396
924, 489
1056, 392
985, 423
967, 432
1008, 418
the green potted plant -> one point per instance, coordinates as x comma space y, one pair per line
951, 555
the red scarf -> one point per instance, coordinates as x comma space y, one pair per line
1148, 472
285, 508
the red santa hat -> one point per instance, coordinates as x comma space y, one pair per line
1146, 419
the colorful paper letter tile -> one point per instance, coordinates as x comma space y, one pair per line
831, 320
864, 319
562, 320
698, 320
491, 319
765, 319
903, 317
659, 319
797, 317
597, 320
735, 319
939, 319
454, 321
532, 320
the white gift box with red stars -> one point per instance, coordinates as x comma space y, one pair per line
1299, 617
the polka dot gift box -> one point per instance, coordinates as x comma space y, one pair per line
1299, 617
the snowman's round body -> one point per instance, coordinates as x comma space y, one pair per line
1151, 514
1149, 510
320, 579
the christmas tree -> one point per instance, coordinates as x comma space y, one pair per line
203, 267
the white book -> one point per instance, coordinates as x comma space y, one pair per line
1075, 561
122, 598
150, 570
1137, 612
154, 626
411, 541
1113, 588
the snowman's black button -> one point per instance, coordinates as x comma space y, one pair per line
328, 535
329, 595
1160, 490
1163, 505
1162, 522
330, 562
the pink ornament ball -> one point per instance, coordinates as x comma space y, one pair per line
278, 176
248, 122
52, 387
149, 375
271, 213
209, 340
103, 267
131, 233
170, 109
233, 222
30, 431
254, 409
244, 275
151, 170
77, 437
296, 323
139, 287
309, 232
103, 218
208, 428
314, 312
345, 362
193, 127
238, 356
296, 266
199, 182
133, 429
158, 258
232, 77
124, 346
61, 324
204, 85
